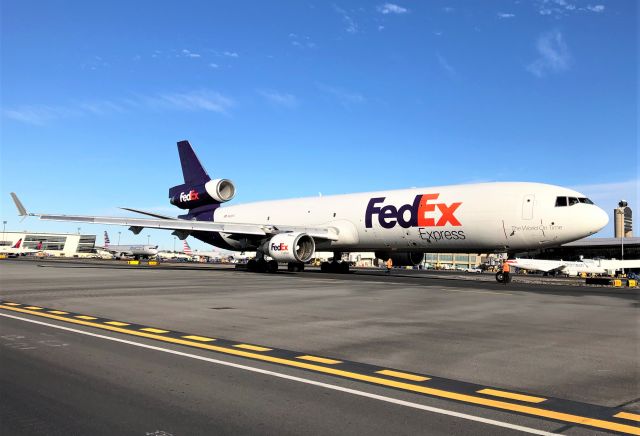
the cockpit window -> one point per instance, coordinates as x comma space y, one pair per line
572, 201
585, 200
561, 201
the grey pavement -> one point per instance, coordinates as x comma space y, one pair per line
559, 341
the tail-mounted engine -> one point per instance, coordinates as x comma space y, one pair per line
290, 247
402, 258
192, 196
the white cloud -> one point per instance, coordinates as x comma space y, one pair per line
301, 41
445, 65
231, 54
189, 54
553, 54
94, 63
596, 8
214, 66
350, 24
561, 8
344, 97
202, 100
279, 98
37, 114
505, 15
391, 8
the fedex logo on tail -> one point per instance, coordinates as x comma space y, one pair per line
420, 213
192, 195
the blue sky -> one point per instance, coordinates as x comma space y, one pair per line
294, 98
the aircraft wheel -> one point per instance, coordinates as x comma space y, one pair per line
272, 266
325, 267
261, 266
500, 277
343, 267
252, 265
295, 267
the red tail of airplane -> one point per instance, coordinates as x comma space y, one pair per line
186, 249
17, 244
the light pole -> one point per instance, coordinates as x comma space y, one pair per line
174, 244
622, 249
148, 239
119, 238
4, 224
78, 230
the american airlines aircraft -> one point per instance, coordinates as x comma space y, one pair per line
136, 251
399, 224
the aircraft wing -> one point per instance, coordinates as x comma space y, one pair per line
137, 224
194, 226
144, 212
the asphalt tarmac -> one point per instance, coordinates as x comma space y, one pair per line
96, 348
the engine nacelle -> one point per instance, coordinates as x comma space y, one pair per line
290, 247
221, 190
402, 258
212, 192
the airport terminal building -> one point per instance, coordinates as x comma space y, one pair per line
593, 248
53, 244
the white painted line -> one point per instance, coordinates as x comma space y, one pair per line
298, 379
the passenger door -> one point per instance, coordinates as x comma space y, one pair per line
527, 206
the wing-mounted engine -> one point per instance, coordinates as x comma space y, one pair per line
402, 258
187, 196
290, 247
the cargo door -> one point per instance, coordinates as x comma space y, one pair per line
527, 206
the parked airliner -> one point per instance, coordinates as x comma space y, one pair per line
136, 251
573, 268
18, 249
399, 224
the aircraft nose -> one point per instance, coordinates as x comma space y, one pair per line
599, 219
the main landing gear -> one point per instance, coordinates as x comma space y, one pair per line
260, 264
295, 267
335, 266
271, 266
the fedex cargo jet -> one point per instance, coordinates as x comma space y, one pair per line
399, 224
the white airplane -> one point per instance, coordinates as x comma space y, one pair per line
135, 251
200, 254
573, 268
400, 224
18, 249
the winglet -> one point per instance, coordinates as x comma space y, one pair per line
21, 209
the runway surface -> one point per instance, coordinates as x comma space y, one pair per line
93, 349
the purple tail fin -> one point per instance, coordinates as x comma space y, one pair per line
192, 170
